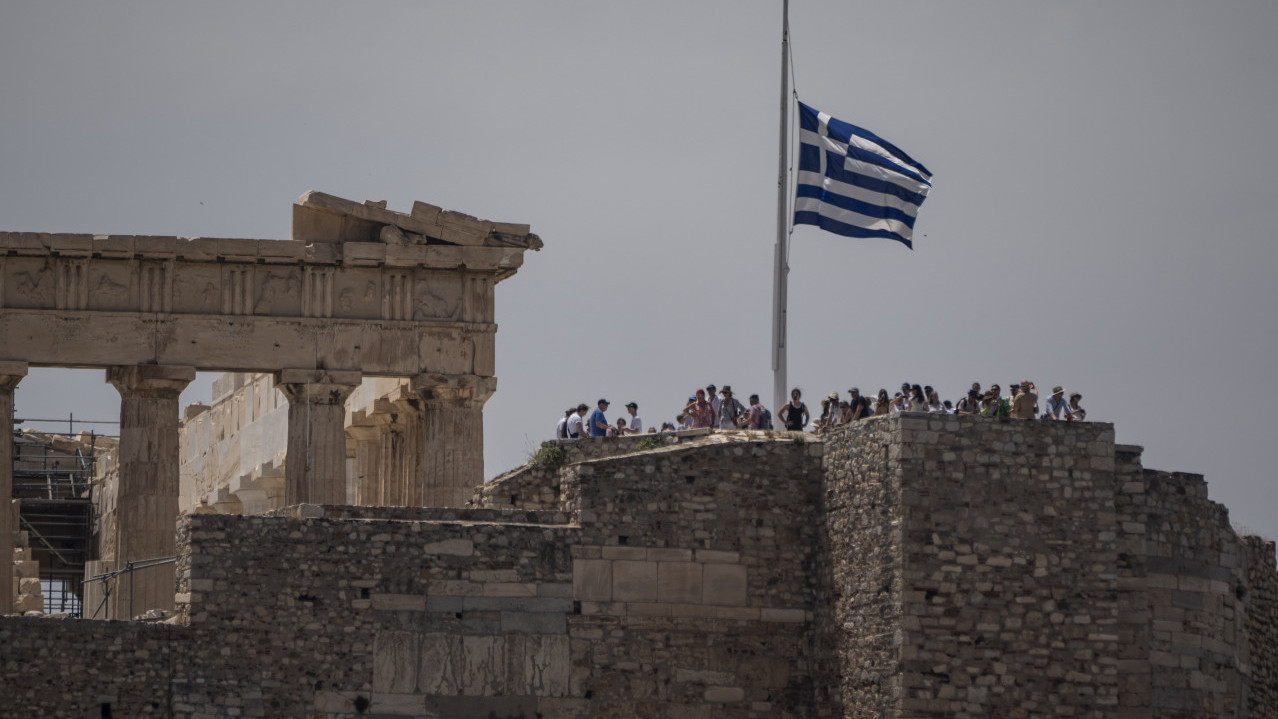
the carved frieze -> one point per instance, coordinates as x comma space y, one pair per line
359, 286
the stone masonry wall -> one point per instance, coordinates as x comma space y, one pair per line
1194, 577
701, 558
1262, 627
1009, 596
354, 611
860, 577
71, 669
912, 566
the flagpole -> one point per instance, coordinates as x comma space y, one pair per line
782, 269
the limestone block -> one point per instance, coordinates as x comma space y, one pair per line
29, 603
723, 584
509, 589
333, 703
679, 581
395, 657
709, 555
399, 602
783, 615
547, 666
441, 665
406, 705
634, 581
26, 569
533, 623
29, 585
452, 547
484, 661
592, 580
724, 694
669, 554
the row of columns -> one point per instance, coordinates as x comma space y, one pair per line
422, 447
449, 466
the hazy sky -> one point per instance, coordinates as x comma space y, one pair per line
1103, 212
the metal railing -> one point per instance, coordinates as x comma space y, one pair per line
129, 568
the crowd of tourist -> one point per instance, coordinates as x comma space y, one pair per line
713, 407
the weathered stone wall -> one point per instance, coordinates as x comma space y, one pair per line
702, 557
860, 578
1006, 528
1195, 577
1262, 627
72, 668
910, 566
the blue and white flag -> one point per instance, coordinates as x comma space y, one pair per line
852, 182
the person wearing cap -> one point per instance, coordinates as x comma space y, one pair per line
971, 404
598, 422
1025, 403
575, 428
684, 418
635, 425
1057, 407
833, 417
729, 409
860, 405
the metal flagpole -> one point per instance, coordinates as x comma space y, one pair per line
779, 285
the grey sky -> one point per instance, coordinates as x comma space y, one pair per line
1102, 216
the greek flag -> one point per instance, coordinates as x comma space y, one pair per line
852, 182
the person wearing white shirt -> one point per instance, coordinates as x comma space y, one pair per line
635, 425
561, 429
574, 422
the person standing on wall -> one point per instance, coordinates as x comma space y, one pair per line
795, 413
729, 409
598, 422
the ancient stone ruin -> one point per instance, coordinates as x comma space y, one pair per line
359, 291
906, 566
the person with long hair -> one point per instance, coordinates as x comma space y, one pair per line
882, 405
915, 401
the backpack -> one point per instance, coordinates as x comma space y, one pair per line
765, 419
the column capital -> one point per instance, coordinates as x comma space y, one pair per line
317, 386
10, 374
458, 390
155, 380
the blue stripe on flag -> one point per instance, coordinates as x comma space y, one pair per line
871, 187
857, 206
835, 170
841, 228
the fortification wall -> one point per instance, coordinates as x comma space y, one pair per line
910, 566
350, 611
1262, 627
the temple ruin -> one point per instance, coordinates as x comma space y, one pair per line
359, 291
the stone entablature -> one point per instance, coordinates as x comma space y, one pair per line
395, 308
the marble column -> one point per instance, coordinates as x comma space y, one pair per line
147, 492
367, 452
315, 466
10, 374
452, 452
